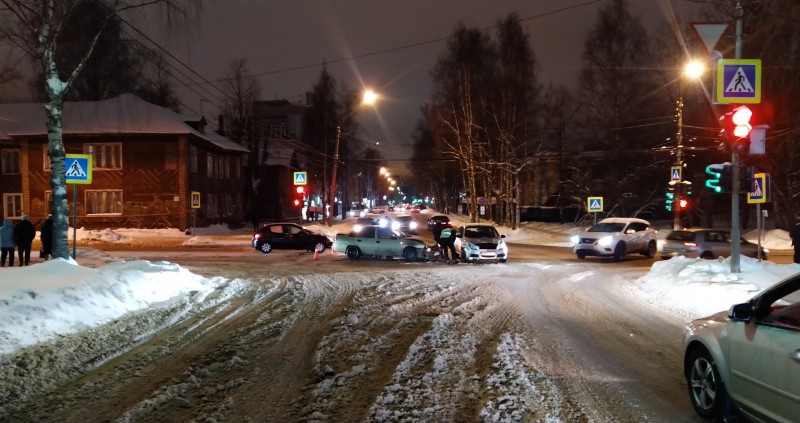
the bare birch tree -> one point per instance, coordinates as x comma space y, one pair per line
43, 21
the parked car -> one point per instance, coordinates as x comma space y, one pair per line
706, 243
439, 222
748, 358
480, 242
616, 237
377, 241
406, 225
289, 236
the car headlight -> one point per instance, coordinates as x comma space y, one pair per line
395, 225
470, 246
382, 223
357, 228
605, 241
575, 239
412, 225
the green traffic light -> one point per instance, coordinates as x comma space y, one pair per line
716, 173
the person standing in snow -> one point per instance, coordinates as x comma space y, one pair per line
7, 243
24, 234
47, 237
795, 235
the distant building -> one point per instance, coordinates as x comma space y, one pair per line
148, 160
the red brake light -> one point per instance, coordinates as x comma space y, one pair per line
689, 244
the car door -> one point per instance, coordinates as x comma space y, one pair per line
764, 360
719, 243
278, 236
294, 237
635, 242
387, 243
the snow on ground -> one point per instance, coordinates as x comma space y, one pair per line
42, 302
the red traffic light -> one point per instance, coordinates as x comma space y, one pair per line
741, 121
683, 204
300, 189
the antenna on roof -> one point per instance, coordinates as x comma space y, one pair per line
202, 100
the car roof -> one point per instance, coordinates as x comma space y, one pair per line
474, 225
623, 220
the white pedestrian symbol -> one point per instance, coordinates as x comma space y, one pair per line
76, 171
739, 83
595, 205
676, 175
757, 193
300, 178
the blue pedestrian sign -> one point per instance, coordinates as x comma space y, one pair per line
300, 178
78, 168
760, 189
594, 204
675, 173
739, 81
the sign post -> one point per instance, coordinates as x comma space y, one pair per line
594, 205
759, 195
78, 171
195, 206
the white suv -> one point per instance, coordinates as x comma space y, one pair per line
616, 237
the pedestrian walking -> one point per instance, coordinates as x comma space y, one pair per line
7, 243
795, 235
47, 238
24, 234
447, 239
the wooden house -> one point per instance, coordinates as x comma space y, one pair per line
147, 163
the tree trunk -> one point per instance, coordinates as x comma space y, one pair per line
58, 184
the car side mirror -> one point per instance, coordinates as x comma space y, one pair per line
459, 236
502, 236
630, 231
741, 312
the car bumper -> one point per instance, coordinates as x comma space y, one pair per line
594, 250
484, 255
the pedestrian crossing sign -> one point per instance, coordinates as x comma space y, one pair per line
300, 178
594, 204
759, 193
675, 173
738, 81
78, 168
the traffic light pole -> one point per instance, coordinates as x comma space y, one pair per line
676, 201
735, 231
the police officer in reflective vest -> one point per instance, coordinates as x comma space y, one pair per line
447, 240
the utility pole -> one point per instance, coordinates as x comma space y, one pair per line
332, 198
735, 231
676, 222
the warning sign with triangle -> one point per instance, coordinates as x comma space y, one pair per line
594, 204
78, 168
738, 81
759, 193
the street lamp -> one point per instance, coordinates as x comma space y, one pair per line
694, 70
368, 98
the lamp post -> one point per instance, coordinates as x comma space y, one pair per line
692, 70
369, 98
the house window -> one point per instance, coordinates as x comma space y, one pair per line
193, 159
46, 157
12, 205
103, 202
211, 206
235, 167
105, 156
209, 165
10, 162
220, 172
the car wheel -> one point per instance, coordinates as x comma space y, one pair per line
266, 247
319, 247
651, 250
706, 390
353, 253
619, 251
581, 255
410, 254
464, 258
707, 255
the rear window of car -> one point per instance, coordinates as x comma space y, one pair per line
481, 232
681, 236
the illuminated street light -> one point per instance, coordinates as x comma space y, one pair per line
370, 97
694, 70
382, 171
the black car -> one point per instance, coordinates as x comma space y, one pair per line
439, 222
405, 225
289, 236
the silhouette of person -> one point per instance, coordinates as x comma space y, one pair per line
739, 81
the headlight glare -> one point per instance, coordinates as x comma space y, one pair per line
575, 239
605, 241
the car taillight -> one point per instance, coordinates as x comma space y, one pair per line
256, 236
689, 244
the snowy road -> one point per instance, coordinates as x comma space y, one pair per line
300, 341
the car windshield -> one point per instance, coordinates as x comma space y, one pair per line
607, 227
481, 232
681, 236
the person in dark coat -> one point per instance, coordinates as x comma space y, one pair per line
7, 243
24, 234
795, 235
47, 237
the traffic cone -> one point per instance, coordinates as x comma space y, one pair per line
316, 254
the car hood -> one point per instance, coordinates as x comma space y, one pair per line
597, 235
483, 240
720, 316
